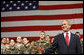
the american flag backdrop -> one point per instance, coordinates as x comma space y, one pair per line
28, 18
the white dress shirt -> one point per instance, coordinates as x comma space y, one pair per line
69, 34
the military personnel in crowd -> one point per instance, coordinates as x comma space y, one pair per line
26, 48
42, 41
12, 49
33, 48
48, 44
3, 45
7, 43
47, 38
23, 46
19, 45
39, 49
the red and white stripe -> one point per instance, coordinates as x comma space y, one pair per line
48, 18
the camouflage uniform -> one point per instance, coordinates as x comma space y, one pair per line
12, 50
8, 46
20, 48
42, 44
33, 50
3, 49
48, 44
26, 49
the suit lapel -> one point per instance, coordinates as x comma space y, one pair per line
71, 39
64, 39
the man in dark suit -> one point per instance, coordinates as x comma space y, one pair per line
65, 43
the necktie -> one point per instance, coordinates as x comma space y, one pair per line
67, 39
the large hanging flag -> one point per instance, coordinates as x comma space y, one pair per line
28, 18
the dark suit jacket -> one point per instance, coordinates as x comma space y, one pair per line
59, 43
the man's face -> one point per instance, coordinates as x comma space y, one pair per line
12, 43
19, 40
25, 41
42, 35
8, 40
4, 41
32, 43
47, 38
65, 26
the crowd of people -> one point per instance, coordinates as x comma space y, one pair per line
23, 46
